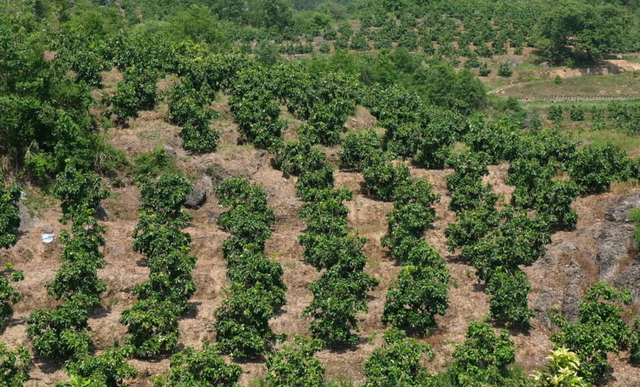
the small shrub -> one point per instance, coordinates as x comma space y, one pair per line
483, 358
484, 70
200, 369
397, 362
576, 113
505, 70
295, 366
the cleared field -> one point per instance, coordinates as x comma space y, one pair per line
614, 85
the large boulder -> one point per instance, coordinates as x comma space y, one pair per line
196, 198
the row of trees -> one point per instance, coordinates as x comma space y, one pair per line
340, 294
496, 242
257, 291
615, 116
62, 333
421, 290
9, 224
16, 363
152, 322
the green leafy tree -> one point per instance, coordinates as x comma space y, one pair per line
357, 147
508, 301
8, 297
576, 113
562, 370
136, 92
473, 224
382, 177
537, 188
420, 292
199, 137
518, 240
359, 42
108, 369
152, 326
295, 366
39, 98
338, 296
398, 362
205, 368
595, 167
9, 224
599, 329
571, 26
9, 214
556, 114
77, 190
253, 107
484, 70
483, 358
15, 365
189, 108
60, 333
505, 70
242, 323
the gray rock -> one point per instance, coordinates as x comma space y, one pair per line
572, 296
169, 150
205, 182
544, 64
613, 246
115, 250
102, 213
27, 221
47, 229
618, 56
630, 279
619, 208
543, 304
514, 63
553, 254
196, 198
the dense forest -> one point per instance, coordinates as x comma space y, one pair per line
288, 77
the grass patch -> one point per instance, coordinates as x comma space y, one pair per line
614, 85
261, 382
530, 106
628, 143
37, 201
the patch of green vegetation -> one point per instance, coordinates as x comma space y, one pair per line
37, 201
340, 382
152, 164
602, 137
613, 85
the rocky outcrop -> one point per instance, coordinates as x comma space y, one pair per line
620, 208
603, 251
